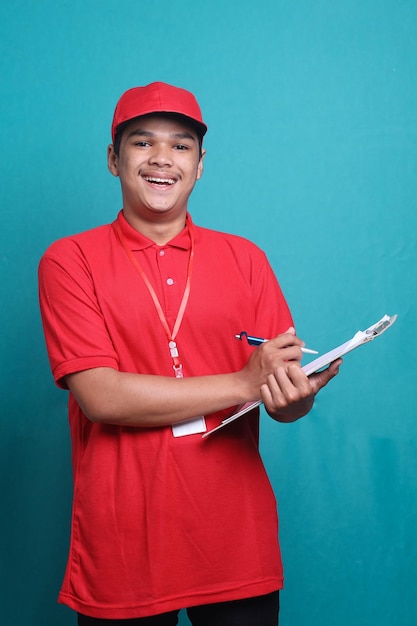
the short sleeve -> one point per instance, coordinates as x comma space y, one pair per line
74, 326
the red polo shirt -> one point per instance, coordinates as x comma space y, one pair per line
160, 522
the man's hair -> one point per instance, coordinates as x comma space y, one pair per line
173, 116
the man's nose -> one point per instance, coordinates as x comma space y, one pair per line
161, 155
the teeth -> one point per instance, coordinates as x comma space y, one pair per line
164, 181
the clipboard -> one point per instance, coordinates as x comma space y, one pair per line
360, 338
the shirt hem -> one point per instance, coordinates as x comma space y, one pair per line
172, 604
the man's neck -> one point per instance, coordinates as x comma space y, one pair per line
159, 231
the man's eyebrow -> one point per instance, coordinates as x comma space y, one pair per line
183, 135
139, 132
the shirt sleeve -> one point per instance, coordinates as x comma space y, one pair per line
273, 315
74, 326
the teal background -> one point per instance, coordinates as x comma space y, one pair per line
311, 152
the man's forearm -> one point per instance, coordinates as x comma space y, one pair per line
108, 396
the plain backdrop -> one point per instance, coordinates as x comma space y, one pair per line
311, 153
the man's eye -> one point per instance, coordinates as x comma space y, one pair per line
181, 146
142, 144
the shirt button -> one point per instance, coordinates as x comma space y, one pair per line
170, 281
161, 252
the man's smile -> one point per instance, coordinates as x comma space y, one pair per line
157, 180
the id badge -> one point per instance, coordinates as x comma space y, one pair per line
189, 427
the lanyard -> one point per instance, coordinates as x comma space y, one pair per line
171, 335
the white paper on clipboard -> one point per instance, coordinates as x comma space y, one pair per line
359, 339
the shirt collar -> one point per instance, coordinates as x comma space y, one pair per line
138, 241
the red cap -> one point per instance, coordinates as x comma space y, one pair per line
157, 98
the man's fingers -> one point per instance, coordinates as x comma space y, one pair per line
286, 386
320, 379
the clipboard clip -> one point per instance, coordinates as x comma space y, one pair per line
381, 326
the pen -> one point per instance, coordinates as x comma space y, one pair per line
256, 341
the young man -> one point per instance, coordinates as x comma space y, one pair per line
139, 318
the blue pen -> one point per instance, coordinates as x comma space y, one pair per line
256, 341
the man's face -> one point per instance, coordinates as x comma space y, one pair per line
158, 164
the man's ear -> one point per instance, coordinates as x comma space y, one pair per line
112, 161
200, 164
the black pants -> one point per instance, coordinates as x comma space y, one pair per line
258, 611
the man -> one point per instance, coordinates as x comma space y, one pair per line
139, 318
